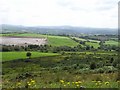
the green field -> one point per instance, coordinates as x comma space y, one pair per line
6, 56
81, 39
61, 41
111, 42
95, 45
94, 41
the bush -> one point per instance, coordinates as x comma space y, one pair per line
28, 54
92, 65
100, 70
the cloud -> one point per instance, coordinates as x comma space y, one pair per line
88, 13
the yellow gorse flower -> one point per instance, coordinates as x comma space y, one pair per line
29, 84
68, 83
99, 81
76, 82
77, 85
62, 81
64, 85
33, 81
96, 84
106, 83
79, 82
18, 84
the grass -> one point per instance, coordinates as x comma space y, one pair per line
61, 41
94, 40
7, 56
95, 45
57, 71
111, 42
81, 39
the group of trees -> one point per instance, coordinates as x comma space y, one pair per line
107, 47
44, 48
101, 43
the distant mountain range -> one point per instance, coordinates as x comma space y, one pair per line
57, 29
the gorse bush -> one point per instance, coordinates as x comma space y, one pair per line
93, 65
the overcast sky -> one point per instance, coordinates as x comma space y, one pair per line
85, 13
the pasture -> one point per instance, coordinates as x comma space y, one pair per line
61, 41
94, 44
7, 56
81, 39
111, 42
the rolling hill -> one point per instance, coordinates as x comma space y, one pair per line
57, 30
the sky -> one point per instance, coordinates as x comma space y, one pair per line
82, 13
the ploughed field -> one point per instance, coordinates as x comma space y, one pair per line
21, 41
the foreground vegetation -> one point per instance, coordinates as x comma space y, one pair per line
64, 62
70, 70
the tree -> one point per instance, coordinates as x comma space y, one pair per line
92, 65
28, 54
88, 48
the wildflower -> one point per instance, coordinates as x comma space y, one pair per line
96, 84
77, 85
76, 82
29, 84
118, 81
33, 81
64, 85
79, 82
68, 83
35, 85
106, 83
19, 83
62, 81
99, 81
